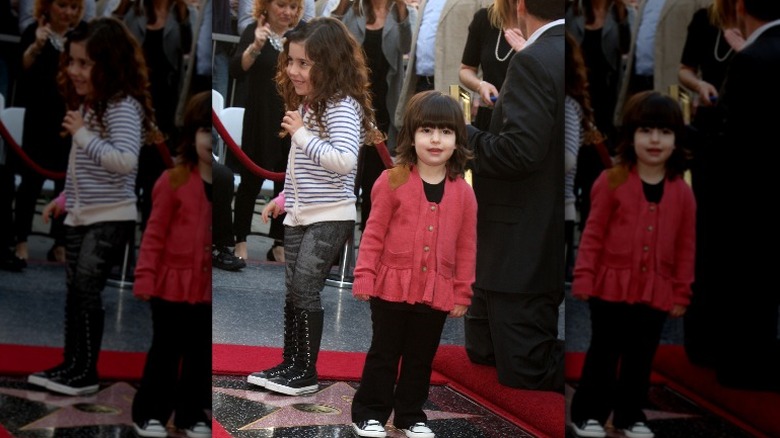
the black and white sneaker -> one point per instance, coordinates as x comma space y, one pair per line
589, 429
419, 430
150, 429
370, 428
638, 430
198, 430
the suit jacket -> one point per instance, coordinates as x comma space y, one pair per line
518, 175
671, 31
749, 126
451, 35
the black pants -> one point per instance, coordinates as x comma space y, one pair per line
26, 200
91, 251
626, 335
518, 333
222, 229
181, 338
399, 331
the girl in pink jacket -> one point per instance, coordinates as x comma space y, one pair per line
416, 263
634, 266
174, 274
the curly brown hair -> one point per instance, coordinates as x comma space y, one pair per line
434, 109
119, 71
651, 109
339, 70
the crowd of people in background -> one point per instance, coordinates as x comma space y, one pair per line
576, 130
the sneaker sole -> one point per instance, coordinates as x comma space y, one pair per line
191, 434
637, 435
410, 434
275, 387
149, 433
364, 433
585, 434
69, 390
38, 380
259, 381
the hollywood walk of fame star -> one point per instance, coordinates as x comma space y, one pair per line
337, 398
115, 401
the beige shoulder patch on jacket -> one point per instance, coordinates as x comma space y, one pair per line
616, 176
398, 176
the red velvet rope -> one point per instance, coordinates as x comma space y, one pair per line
161, 148
384, 154
265, 174
9, 139
242, 157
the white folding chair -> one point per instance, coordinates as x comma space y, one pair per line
13, 119
233, 119
217, 101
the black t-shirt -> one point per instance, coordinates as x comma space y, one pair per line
434, 192
653, 192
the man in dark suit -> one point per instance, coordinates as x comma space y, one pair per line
748, 303
518, 180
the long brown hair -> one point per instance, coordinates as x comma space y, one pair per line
339, 70
119, 71
577, 79
434, 109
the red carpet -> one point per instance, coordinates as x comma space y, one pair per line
538, 412
112, 365
230, 359
755, 412
541, 413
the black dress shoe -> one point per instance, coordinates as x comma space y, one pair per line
10, 262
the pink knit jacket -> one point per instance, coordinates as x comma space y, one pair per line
416, 251
174, 262
634, 251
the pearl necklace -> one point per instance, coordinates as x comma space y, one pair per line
498, 42
717, 48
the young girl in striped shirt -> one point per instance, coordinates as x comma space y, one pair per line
103, 80
323, 80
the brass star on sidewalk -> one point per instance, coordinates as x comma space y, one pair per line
111, 406
330, 406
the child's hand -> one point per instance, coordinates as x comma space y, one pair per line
72, 122
362, 297
677, 311
53, 210
271, 209
458, 311
292, 121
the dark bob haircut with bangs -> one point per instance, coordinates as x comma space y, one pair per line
651, 109
434, 109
